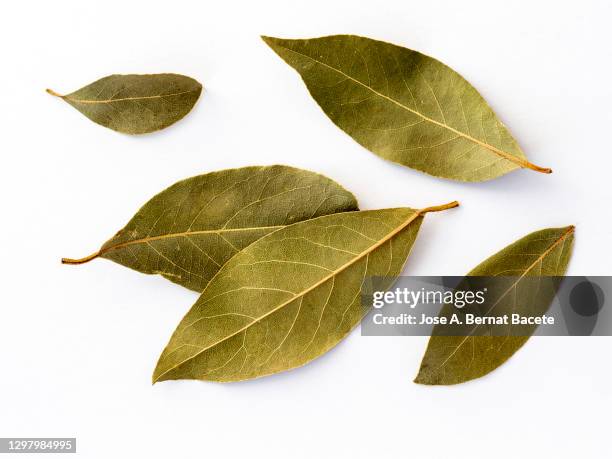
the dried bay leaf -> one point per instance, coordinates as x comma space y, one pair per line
289, 297
188, 231
457, 359
136, 104
404, 106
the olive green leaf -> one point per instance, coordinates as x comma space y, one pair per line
288, 297
404, 106
188, 231
136, 104
456, 359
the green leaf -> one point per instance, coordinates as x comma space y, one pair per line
188, 231
289, 297
456, 359
404, 106
136, 104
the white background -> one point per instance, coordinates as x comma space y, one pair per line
79, 343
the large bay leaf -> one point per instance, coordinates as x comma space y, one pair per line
456, 359
136, 104
288, 297
188, 231
404, 106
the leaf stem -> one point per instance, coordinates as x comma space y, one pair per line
53, 93
449, 205
533, 167
80, 261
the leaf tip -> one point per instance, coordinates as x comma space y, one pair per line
428, 377
423, 379
270, 41
158, 373
157, 377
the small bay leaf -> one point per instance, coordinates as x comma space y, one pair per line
188, 231
457, 359
289, 297
136, 104
404, 106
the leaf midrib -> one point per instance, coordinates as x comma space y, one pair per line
146, 240
108, 101
508, 156
331, 275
